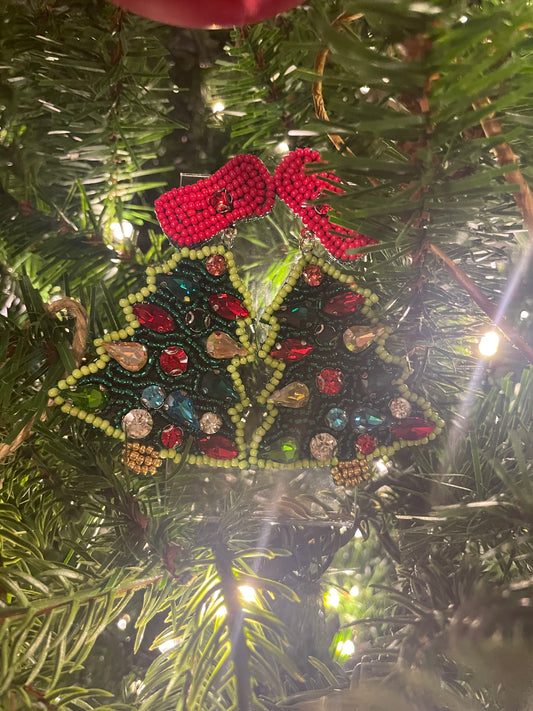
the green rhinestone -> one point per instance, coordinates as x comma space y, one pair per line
283, 450
88, 398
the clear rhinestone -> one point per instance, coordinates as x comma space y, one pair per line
323, 446
137, 423
400, 407
210, 422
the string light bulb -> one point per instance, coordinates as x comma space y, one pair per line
247, 593
121, 231
332, 598
488, 345
218, 107
345, 647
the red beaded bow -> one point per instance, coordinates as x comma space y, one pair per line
195, 213
244, 188
297, 188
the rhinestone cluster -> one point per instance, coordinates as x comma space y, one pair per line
351, 473
140, 458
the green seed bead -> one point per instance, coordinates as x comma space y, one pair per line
71, 380
116, 433
110, 431
90, 418
53, 392
130, 330
97, 422
131, 298
66, 408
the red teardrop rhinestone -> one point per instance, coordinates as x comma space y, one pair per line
171, 436
291, 350
173, 360
412, 428
330, 381
216, 265
366, 444
227, 306
154, 317
345, 303
217, 447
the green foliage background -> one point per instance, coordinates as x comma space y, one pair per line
100, 113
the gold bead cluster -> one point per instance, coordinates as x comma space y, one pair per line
351, 473
140, 458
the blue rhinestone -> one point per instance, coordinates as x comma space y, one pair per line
153, 397
179, 408
366, 419
336, 419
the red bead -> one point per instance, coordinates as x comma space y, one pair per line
366, 444
217, 447
330, 381
312, 274
345, 303
291, 350
216, 264
173, 360
154, 317
171, 437
227, 306
412, 428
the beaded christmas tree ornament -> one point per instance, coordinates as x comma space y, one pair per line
336, 398
169, 383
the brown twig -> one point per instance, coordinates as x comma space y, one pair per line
316, 89
78, 312
481, 300
505, 156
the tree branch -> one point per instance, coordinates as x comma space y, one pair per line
239, 649
11, 614
505, 156
481, 300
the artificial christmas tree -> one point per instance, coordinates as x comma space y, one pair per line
214, 587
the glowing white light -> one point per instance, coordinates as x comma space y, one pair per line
222, 611
121, 230
489, 343
381, 467
354, 590
332, 598
364, 89
283, 147
358, 533
524, 314
123, 622
168, 645
345, 648
247, 593
463, 19
218, 107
